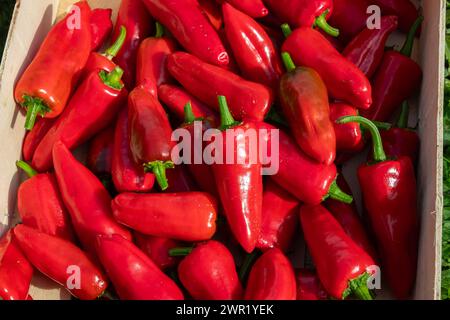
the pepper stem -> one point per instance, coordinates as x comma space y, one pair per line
112, 51
246, 264
158, 168
30, 171
382, 125
159, 30
286, 29
189, 116
359, 288
35, 106
180, 252
409, 43
322, 23
113, 79
227, 120
402, 121
336, 193
378, 151
288, 62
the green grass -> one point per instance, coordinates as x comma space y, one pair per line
6, 8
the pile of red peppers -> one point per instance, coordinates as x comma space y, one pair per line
139, 225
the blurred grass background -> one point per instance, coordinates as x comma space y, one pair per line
6, 9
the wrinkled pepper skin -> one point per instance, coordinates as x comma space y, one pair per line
252, 47
343, 79
309, 286
349, 137
405, 10
134, 275
157, 249
34, 137
212, 11
101, 27
100, 151
246, 99
15, 270
337, 258
401, 142
279, 218
188, 216
50, 78
91, 109
54, 256
127, 176
271, 278
86, 199
366, 50
139, 24
209, 273
252, 8
191, 28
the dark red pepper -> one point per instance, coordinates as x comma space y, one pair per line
157, 249
191, 28
254, 51
366, 50
405, 10
349, 137
390, 198
309, 286
252, 8
34, 137
212, 11
246, 99
101, 27
180, 180
100, 151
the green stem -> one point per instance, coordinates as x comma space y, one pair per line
286, 29
30, 171
322, 23
159, 30
189, 116
382, 125
112, 51
180, 252
359, 288
34, 106
227, 120
337, 194
402, 121
378, 151
288, 62
113, 79
158, 168
409, 43
246, 264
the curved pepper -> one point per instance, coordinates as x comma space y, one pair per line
15, 270
252, 47
390, 198
342, 266
349, 137
100, 153
212, 11
191, 28
366, 50
150, 134
240, 184
252, 8
405, 10
127, 176
279, 218
87, 201
101, 27
309, 286
246, 99
34, 137
157, 249
271, 278
62, 261
208, 272
343, 79
46, 85
134, 275
396, 80
40, 205
92, 108
186, 216
304, 100
181, 180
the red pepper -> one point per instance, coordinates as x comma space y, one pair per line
15, 270
212, 11
40, 205
101, 27
157, 249
61, 260
271, 278
180, 180
343, 267
46, 85
343, 79
396, 80
239, 184
254, 51
134, 275
91, 109
390, 198
87, 201
304, 100
191, 28
309, 286
101, 151
208, 272
127, 175
366, 50
307, 180
151, 62
305, 13
186, 216
175, 99
150, 134
279, 218
247, 99
252, 8
349, 137
34, 137
138, 23
405, 10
